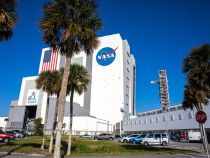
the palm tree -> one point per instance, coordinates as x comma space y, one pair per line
6, 121
78, 82
50, 83
197, 90
8, 18
71, 26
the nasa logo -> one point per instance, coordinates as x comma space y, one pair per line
106, 56
32, 98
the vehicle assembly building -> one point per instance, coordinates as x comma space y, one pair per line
112, 72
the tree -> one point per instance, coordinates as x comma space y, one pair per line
78, 82
70, 26
6, 121
38, 126
197, 90
8, 18
50, 83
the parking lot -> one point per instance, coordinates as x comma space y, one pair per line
198, 147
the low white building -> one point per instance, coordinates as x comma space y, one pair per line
112, 71
175, 120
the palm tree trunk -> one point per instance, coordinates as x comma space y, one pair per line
71, 120
45, 122
61, 105
54, 126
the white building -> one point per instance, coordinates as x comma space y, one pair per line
112, 88
175, 120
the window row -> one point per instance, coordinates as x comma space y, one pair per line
158, 119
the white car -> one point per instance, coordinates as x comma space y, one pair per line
156, 139
127, 138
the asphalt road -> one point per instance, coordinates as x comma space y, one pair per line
198, 147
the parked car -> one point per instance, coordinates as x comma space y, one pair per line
127, 138
194, 136
21, 132
17, 134
155, 139
138, 139
175, 137
104, 136
86, 136
5, 137
30, 133
183, 136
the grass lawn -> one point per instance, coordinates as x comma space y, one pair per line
85, 147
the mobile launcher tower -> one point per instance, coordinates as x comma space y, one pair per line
163, 90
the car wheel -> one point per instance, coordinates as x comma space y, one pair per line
164, 143
111, 138
146, 144
136, 142
6, 140
125, 141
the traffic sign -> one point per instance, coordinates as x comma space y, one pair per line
201, 117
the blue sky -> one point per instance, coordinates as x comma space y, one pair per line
160, 33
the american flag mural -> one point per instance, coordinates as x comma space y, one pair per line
50, 60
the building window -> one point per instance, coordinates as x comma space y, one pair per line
190, 115
136, 122
128, 62
172, 117
157, 119
128, 70
151, 120
140, 121
145, 121
127, 86
127, 78
164, 119
128, 54
180, 117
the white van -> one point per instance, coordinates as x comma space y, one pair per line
156, 139
194, 136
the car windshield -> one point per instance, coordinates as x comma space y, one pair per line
141, 136
149, 136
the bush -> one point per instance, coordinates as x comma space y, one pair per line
38, 127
